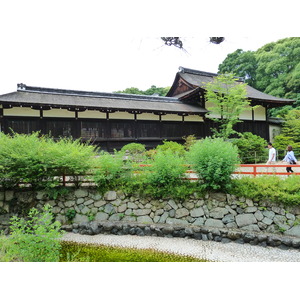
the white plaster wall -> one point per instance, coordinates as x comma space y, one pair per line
246, 114
91, 114
121, 115
193, 118
171, 117
260, 113
21, 111
59, 113
147, 116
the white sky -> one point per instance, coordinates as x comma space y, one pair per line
84, 45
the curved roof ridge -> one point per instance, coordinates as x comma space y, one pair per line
24, 88
196, 72
203, 73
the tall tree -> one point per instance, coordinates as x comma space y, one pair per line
290, 134
242, 63
228, 98
276, 69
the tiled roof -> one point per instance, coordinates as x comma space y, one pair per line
200, 78
37, 96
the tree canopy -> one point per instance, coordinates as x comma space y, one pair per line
228, 99
290, 134
241, 63
153, 90
273, 69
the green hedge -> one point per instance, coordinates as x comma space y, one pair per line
35, 160
272, 188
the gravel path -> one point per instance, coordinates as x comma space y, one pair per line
209, 250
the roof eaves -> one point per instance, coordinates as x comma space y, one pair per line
31, 89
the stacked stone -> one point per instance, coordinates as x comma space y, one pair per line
222, 235
215, 210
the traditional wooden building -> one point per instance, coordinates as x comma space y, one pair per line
112, 120
189, 87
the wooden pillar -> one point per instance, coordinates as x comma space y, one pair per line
160, 127
1, 117
107, 132
267, 123
135, 127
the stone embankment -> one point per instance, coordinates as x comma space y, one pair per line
217, 216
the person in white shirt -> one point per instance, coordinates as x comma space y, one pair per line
272, 157
272, 154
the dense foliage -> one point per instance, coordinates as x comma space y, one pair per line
109, 171
33, 239
153, 90
241, 63
133, 148
161, 176
273, 69
214, 160
165, 174
36, 160
227, 99
251, 148
290, 133
171, 146
272, 188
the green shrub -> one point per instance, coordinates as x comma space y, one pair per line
167, 169
189, 141
21, 158
135, 152
70, 156
174, 147
35, 239
37, 160
4, 246
70, 214
214, 160
134, 148
272, 188
251, 148
290, 133
109, 171
166, 172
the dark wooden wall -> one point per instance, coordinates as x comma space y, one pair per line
114, 134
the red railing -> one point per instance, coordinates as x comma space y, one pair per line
254, 170
268, 169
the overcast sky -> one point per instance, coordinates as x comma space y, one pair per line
79, 45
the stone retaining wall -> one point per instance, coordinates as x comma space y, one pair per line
217, 211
